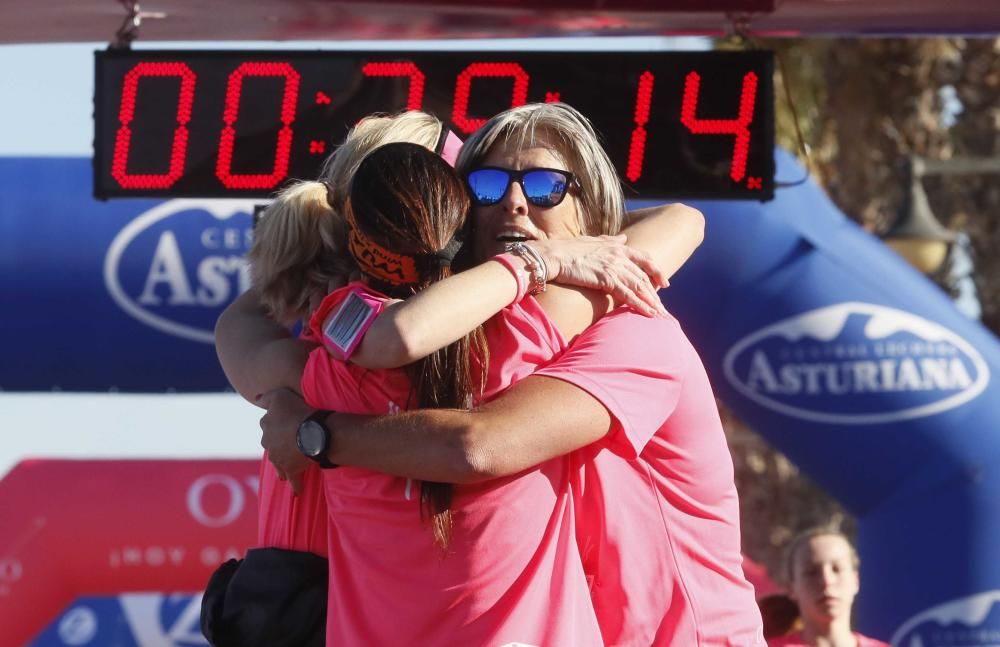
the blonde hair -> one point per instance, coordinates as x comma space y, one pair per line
568, 133
298, 248
371, 132
300, 243
801, 539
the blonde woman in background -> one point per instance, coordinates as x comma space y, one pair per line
821, 568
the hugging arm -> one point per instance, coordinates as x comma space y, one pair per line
668, 233
610, 382
256, 353
660, 240
503, 437
444, 312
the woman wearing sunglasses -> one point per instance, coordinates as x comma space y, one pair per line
542, 212
407, 204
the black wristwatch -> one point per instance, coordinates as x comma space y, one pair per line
313, 439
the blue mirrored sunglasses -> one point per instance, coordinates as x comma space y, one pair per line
542, 187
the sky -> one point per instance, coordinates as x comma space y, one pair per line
48, 91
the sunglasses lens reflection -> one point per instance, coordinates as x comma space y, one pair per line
544, 188
488, 185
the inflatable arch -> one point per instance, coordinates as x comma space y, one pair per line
830, 346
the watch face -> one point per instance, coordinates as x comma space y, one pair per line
312, 438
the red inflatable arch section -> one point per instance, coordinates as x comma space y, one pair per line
105, 527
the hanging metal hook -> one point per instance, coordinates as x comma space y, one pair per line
739, 27
129, 29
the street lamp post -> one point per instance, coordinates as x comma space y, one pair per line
917, 235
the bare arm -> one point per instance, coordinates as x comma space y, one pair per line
668, 233
504, 437
511, 434
440, 314
665, 235
256, 353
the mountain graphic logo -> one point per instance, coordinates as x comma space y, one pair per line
972, 621
176, 266
856, 363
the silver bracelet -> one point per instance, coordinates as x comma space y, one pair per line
535, 265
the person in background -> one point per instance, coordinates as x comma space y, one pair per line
821, 568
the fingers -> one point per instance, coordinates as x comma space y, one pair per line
647, 265
635, 289
282, 476
652, 297
296, 482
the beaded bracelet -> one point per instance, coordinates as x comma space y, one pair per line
535, 265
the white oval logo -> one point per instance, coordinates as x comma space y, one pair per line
856, 363
964, 621
234, 493
172, 281
78, 626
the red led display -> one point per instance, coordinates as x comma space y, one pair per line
463, 89
637, 149
227, 139
676, 124
738, 127
415, 98
123, 138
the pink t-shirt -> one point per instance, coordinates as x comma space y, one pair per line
512, 573
795, 640
288, 521
658, 516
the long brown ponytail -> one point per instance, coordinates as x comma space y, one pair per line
406, 210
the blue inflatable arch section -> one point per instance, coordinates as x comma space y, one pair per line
827, 343
865, 374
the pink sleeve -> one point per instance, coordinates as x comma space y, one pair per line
633, 366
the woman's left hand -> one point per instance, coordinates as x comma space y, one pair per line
285, 411
607, 264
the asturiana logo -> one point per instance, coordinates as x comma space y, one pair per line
856, 363
176, 266
972, 621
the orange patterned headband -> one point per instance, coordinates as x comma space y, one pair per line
373, 259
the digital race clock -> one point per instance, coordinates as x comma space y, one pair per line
241, 123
